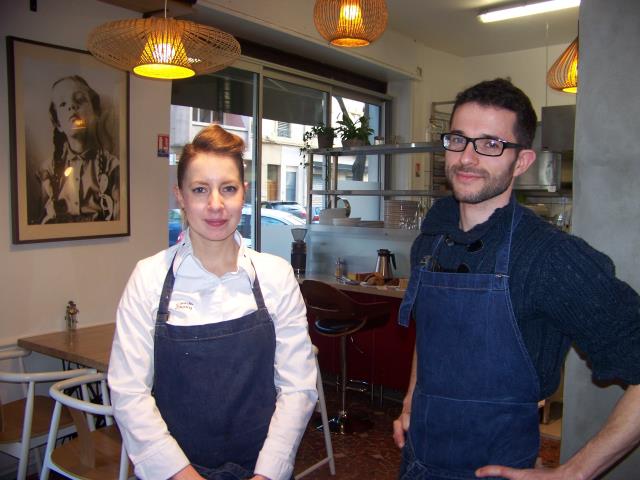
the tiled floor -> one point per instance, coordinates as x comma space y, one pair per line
372, 454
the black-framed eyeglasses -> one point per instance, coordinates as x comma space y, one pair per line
491, 147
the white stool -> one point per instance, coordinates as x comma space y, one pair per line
322, 407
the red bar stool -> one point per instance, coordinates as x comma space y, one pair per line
338, 315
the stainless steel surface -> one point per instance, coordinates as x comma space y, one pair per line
383, 263
544, 174
414, 147
378, 193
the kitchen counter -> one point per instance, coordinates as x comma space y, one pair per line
383, 291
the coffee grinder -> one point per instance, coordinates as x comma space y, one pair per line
299, 251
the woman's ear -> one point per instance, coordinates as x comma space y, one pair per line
178, 195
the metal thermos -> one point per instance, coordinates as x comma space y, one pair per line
383, 264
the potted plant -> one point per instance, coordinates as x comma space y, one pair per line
354, 133
323, 133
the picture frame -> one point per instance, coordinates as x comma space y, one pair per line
69, 136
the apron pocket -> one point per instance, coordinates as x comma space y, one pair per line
228, 471
463, 435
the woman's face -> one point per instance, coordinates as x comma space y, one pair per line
74, 110
211, 196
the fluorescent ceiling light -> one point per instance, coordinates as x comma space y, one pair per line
526, 9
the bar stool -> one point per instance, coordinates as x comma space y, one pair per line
338, 315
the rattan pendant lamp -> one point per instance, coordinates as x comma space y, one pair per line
163, 48
563, 74
350, 23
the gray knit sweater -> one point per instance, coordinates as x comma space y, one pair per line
562, 290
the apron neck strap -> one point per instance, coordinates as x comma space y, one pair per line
502, 256
167, 288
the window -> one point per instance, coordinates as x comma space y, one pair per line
291, 105
284, 129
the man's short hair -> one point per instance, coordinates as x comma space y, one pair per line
501, 93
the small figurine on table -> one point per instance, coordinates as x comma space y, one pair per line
71, 315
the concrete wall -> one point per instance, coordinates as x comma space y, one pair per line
606, 186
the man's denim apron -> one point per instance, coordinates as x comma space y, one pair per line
475, 401
214, 386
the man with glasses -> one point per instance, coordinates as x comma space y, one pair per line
498, 296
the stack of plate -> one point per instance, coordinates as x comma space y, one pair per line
347, 222
400, 213
329, 214
371, 223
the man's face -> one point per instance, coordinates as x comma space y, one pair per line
476, 178
73, 106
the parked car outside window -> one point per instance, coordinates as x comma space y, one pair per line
268, 217
290, 207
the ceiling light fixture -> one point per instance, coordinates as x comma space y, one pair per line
163, 48
350, 23
563, 74
526, 9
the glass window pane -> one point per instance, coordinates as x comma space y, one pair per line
225, 98
289, 111
359, 172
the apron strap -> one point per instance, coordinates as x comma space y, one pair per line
165, 296
409, 298
502, 256
167, 288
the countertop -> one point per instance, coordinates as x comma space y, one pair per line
383, 291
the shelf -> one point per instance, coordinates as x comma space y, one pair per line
384, 193
385, 149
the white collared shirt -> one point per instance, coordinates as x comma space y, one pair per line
200, 297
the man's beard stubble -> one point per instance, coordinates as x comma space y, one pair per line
493, 187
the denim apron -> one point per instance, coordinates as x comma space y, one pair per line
476, 397
214, 386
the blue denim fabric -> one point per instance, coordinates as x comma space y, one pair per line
214, 386
475, 401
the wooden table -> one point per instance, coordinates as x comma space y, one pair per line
383, 291
87, 346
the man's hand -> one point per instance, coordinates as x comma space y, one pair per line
526, 474
259, 477
400, 428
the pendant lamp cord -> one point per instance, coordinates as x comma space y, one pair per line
165, 9
546, 63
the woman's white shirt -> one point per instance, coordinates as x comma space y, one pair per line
200, 297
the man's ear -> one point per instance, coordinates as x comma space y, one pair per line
525, 158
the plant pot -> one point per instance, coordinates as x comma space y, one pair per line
325, 140
353, 142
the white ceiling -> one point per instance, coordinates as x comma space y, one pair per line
452, 26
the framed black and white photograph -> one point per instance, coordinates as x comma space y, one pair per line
69, 119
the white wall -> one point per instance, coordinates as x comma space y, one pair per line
39, 279
527, 70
